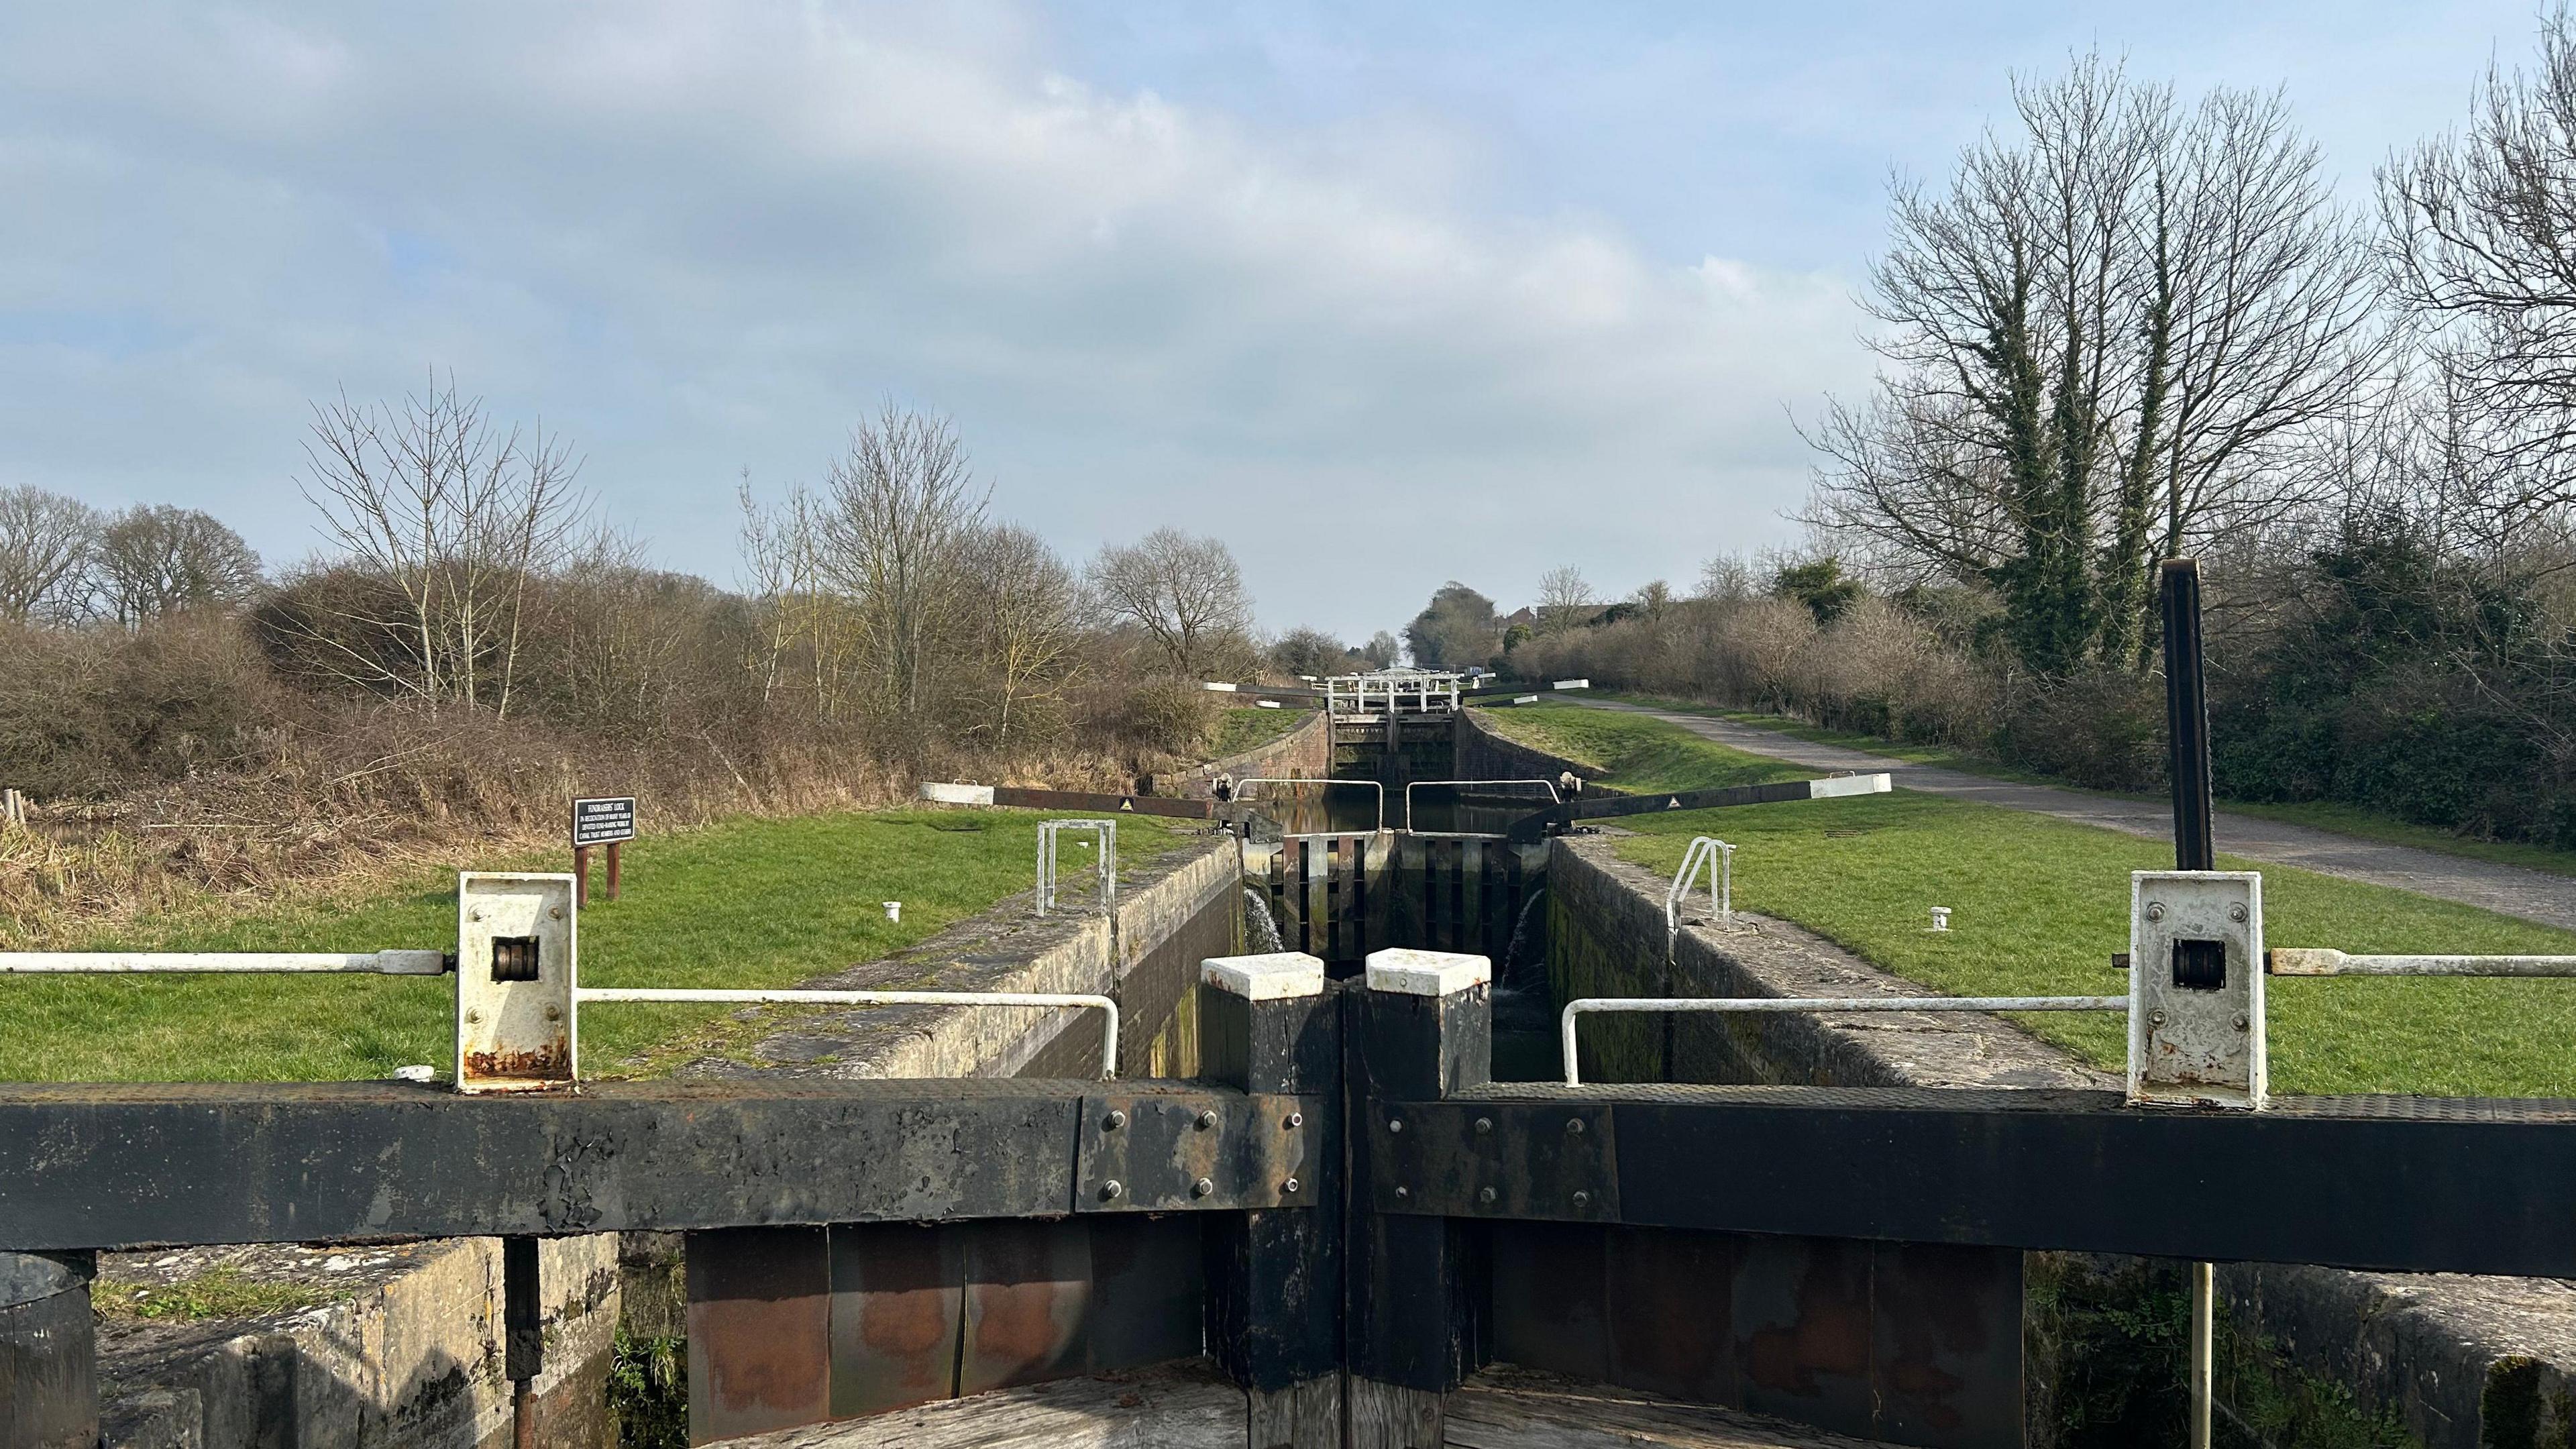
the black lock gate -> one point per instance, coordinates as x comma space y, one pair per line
1346, 1191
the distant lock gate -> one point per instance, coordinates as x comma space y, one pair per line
1345, 1213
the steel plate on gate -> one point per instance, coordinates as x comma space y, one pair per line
1160, 1152
1490, 1159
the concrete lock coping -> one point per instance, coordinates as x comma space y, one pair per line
1271, 976
1426, 973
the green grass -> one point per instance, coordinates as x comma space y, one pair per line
1238, 730
2040, 905
1638, 754
750, 903
2328, 815
215, 1293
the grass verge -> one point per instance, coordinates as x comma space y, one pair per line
1249, 728
2041, 904
753, 902
2328, 815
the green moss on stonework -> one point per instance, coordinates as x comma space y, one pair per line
2108, 1347
648, 1391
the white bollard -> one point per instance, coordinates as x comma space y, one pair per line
894, 911
1940, 918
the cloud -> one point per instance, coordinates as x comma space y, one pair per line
699, 237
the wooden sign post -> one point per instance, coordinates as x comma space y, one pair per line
608, 821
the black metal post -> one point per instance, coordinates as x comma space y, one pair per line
523, 1346
2187, 735
2187, 716
1270, 1024
1417, 1313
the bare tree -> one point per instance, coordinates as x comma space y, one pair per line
901, 511
453, 517
1185, 592
1026, 607
2111, 335
809, 632
1565, 599
2481, 240
159, 560
46, 545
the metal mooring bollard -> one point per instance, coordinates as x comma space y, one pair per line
48, 1351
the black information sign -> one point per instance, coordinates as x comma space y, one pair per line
603, 822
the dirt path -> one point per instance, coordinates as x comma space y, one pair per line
2505, 889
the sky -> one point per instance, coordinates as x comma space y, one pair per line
1380, 295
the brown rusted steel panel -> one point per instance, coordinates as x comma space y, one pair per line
1802, 1331
1672, 1328
1028, 799
898, 1298
1028, 1300
1946, 1345
759, 1331
1549, 1306
1148, 1291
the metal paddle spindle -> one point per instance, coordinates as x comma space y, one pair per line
2187, 743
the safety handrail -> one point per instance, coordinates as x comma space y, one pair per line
1553, 798
1050, 837
1380, 789
1590, 1005
135, 963
1721, 885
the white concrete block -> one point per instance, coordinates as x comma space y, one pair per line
1272, 976
1838, 785
1426, 973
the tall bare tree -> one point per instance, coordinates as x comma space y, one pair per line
452, 516
2107, 337
901, 511
47, 542
1185, 592
808, 631
157, 560
2481, 240
1565, 599
1026, 608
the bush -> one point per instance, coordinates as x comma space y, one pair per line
83, 712
1166, 716
2097, 727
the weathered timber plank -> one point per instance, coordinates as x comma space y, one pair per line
1305, 1416
113, 1165
1174, 1406
1512, 1408
1389, 1416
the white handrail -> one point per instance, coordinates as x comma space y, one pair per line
1109, 1041
1292, 780
1590, 1005
1050, 834
1553, 798
1721, 885
127, 963
2325, 961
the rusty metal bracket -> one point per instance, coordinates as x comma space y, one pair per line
1468, 1159
1167, 1152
